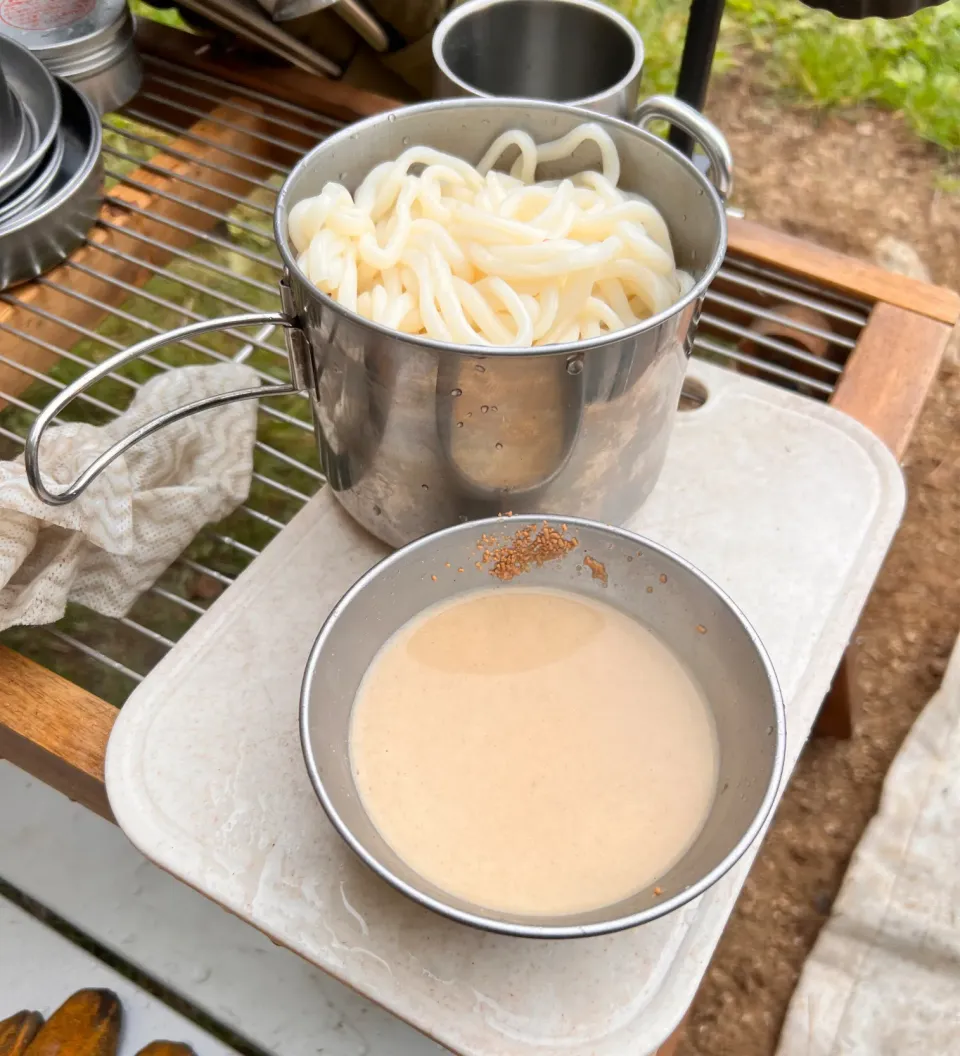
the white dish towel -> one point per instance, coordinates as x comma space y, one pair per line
883, 978
108, 546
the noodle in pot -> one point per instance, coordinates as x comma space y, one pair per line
432, 245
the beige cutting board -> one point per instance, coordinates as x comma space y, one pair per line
789, 505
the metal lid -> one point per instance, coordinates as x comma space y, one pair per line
94, 53
52, 28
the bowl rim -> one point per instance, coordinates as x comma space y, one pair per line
489, 921
464, 11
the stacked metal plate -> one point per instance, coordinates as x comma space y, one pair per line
87, 42
50, 170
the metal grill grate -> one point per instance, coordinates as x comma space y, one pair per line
201, 246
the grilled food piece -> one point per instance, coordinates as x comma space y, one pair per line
166, 1048
18, 1031
86, 1024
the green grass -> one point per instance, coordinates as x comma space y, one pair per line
911, 65
169, 16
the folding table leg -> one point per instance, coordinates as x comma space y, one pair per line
842, 702
670, 1046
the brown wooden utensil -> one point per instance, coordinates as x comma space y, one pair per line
86, 1024
17, 1031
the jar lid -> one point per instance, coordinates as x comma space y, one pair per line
52, 27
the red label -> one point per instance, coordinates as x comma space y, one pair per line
44, 14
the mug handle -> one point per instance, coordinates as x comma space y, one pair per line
704, 132
299, 369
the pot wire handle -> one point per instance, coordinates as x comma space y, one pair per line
55, 407
704, 132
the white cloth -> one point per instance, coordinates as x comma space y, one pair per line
883, 977
109, 545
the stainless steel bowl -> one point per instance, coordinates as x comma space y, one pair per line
13, 126
25, 151
33, 191
40, 238
728, 661
37, 91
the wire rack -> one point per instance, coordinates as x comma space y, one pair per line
193, 167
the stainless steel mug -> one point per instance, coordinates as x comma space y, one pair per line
415, 434
577, 52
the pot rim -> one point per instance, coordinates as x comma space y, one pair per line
463, 11
489, 921
368, 127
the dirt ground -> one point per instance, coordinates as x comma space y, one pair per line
844, 180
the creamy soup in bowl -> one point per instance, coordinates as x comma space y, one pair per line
542, 727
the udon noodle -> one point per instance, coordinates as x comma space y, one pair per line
432, 245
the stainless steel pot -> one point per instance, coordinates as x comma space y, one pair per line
415, 434
728, 662
578, 52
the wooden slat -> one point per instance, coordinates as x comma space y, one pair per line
884, 386
59, 304
841, 272
889, 373
54, 730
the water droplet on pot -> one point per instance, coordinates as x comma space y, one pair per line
456, 392
377, 510
405, 141
498, 446
493, 406
484, 409
469, 414
426, 487
459, 425
574, 366
480, 368
391, 117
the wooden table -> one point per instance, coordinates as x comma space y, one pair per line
58, 732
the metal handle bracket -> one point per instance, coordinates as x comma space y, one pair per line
302, 371
151, 344
703, 132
